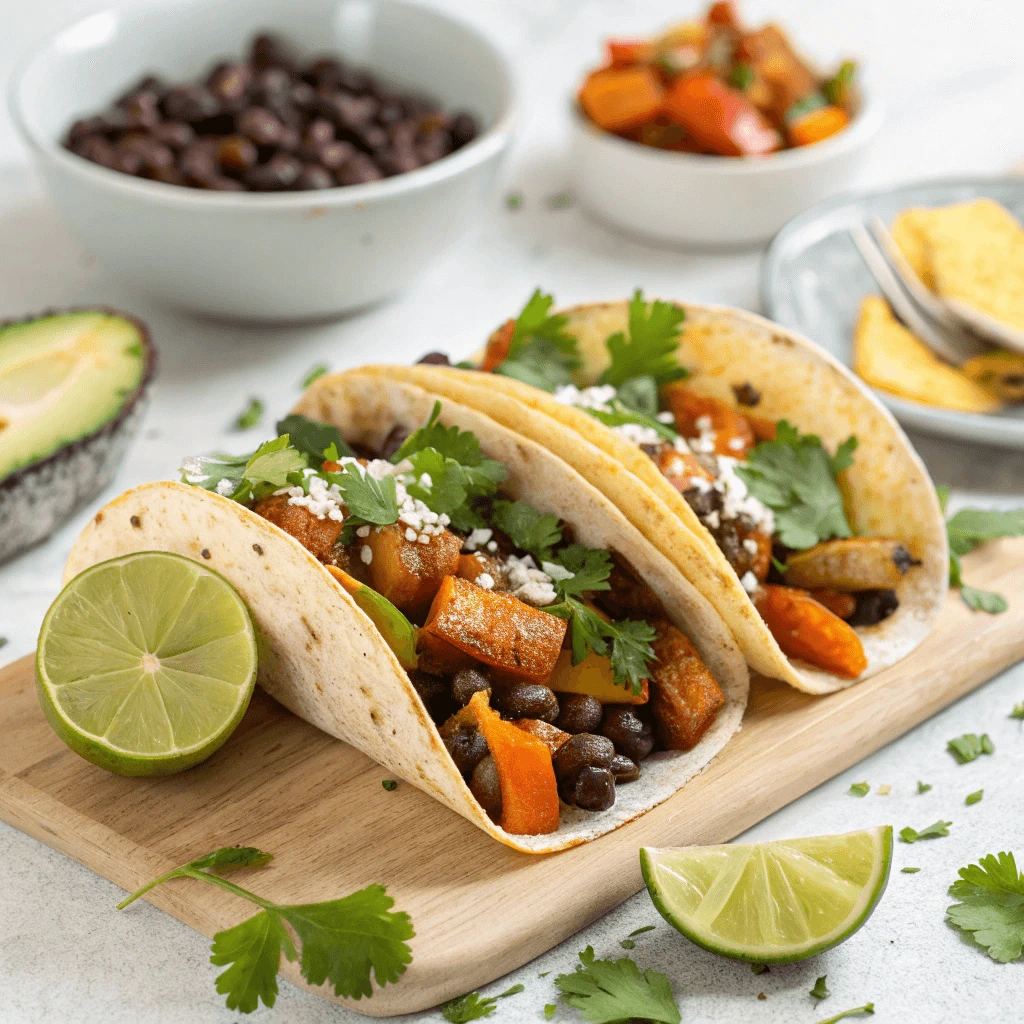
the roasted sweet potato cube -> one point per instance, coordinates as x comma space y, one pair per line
593, 676
317, 536
439, 657
547, 733
685, 696
405, 571
497, 629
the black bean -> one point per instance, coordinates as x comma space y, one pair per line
314, 176
334, 155
291, 140
236, 154
593, 789
318, 133
631, 735
466, 746
271, 84
396, 437
97, 149
190, 103
400, 161
624, 769
326, 72
464, 129
358, 170
302, 96
222, 183
873, 606
127, 160
259, 125
434, 359
579, 713
433, 146
175, 134
467, 681
584, 750
356, 81
527, 700
270, 51
148, 83
229, 83
198, 163
484, 785
279, 173
141, 110
746, 394
87, 127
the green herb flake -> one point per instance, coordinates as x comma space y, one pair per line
974, 798
758, 968
627, 944
313, 438
910, 871
867, 1009
859, 789
652, 346
970, 747
369, 501
820, 990
923, 787
560, 200
543, 974
473, 1006
639, 931
250, 417
315, 373
967, 530
741, 76
390, 785
540, 353
514, 200
1018, 710
990, 910
935, 831
3, 641
549, 1010
528, 529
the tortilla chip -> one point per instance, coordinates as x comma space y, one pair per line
889, 357
909, 232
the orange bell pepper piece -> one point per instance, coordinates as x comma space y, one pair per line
626, 53
733, 434
498, 346
806, 629
818, 125
529, 792
720, 118
619, 98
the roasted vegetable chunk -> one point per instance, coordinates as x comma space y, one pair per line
405, 571
733, 433
851, 564
685, 696
496, 629
593, 675
438, 656
843, 605
317, 536
806, 629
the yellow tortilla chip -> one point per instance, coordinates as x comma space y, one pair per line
888, 356
908, 231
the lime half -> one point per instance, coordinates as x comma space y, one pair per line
771, 902
146, 663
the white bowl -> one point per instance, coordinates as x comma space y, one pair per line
689, 198
277, 256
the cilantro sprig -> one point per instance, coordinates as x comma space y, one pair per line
541, 353
857, 1011
651, 347
820, 990
369, 501
607, 991
527, 528
313, 438
250, 416
473, 1006
251, 476
342, 941
796, 478
990, 907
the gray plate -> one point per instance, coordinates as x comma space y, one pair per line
813, 279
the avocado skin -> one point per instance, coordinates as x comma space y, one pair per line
38, 498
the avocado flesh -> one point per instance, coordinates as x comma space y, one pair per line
63, 378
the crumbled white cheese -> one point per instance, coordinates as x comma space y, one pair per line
737, 500
589, 398
713, 520
225, 487
706, 442
736, 444
485, 580
637, 433
365, 554
424, 538
193, 468
666, 417
492, 546
477, 539
556, 571
426, 481
749, 581
702, 484
530, 584
750, 546
324, 500
363, 531
410, 535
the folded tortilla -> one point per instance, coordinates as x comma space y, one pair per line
887, 490
323, 658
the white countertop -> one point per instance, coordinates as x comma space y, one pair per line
953, 76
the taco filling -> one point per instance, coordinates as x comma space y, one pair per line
768, 495
549, 667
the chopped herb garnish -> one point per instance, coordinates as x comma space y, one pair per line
968, 529
250, 417
923, 787
910, 871
758, 968
252, 476
859, 789
541, 353
543, 974
820, 990
796, 478
473, 1006
639, 931
651, 349
935, 831
560, 200
342, 941
970, 747
549, 1010
780, 567
837, 88
741, 76
368, 500
316, 373
991, 906
3, 641
590, 568
390, 785
627, 944
639, 394
607, 991
1018, 710
514, 200
314, 438
975, 797
528, 529
867, 1008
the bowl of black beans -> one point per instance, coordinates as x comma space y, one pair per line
264, 161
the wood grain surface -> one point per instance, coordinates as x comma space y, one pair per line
479, 908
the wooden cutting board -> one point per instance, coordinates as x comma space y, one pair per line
479, 908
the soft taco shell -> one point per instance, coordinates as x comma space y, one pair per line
887, 490
322, 657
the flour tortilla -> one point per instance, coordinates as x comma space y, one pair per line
322, 657
887, 490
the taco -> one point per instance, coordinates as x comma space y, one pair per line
759, 465
459, 604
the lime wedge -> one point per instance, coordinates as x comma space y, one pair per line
771, 902
146, 663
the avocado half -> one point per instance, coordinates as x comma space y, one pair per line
73, 388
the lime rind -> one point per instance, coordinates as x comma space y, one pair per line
719, 896
92, 645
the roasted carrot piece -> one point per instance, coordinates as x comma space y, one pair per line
679, 469
619, 98
843, 605
817, 125
497, 629
733, 433
718, 117
685, 695
807, 630
406, 572
625, 53
593, 676
529, 792
544, 731
498, 346
764, 429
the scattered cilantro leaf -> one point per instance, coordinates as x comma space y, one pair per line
966, 530
983, 600
549, 1010
528, 529
1017, 712
639, 931
540, 352
627, 944
315, 373
935, 831
859, 789
249, 417
640, 394
970, 747
867, 1008
923, 787
250, 476
452, 443
590, 568
313, 438
758, 968
473, 1006
368, 500
390, 785
621, 414
342, 941
606, 991
537, 321
942, 492
910, 871
991, 906
974, 798
514, 200
440, 483
560, 200
796, 478
543, 974
3, 641
652, 346
820, 990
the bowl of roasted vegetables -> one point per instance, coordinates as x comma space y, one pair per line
714, 132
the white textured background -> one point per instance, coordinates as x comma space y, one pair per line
953, 75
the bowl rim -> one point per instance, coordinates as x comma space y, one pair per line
483, 148
863, 126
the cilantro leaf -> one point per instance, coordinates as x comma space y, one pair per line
970, 746
640, 394
250, 416
820, 990
983, 600
639, 931
229, 858
606, 991
536, 321
1017, 712
652, 346
796, 478
627, 944
910, 871
991, 906
541, 364
315, 373
440, 483
549, 1010
252, 476
974, 798
252, 952
966, 530
923, 787
590, 570
473, 1006
620, 414
935, 831
867, 1008
859, 789
528, 529
368, 500
313, 437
